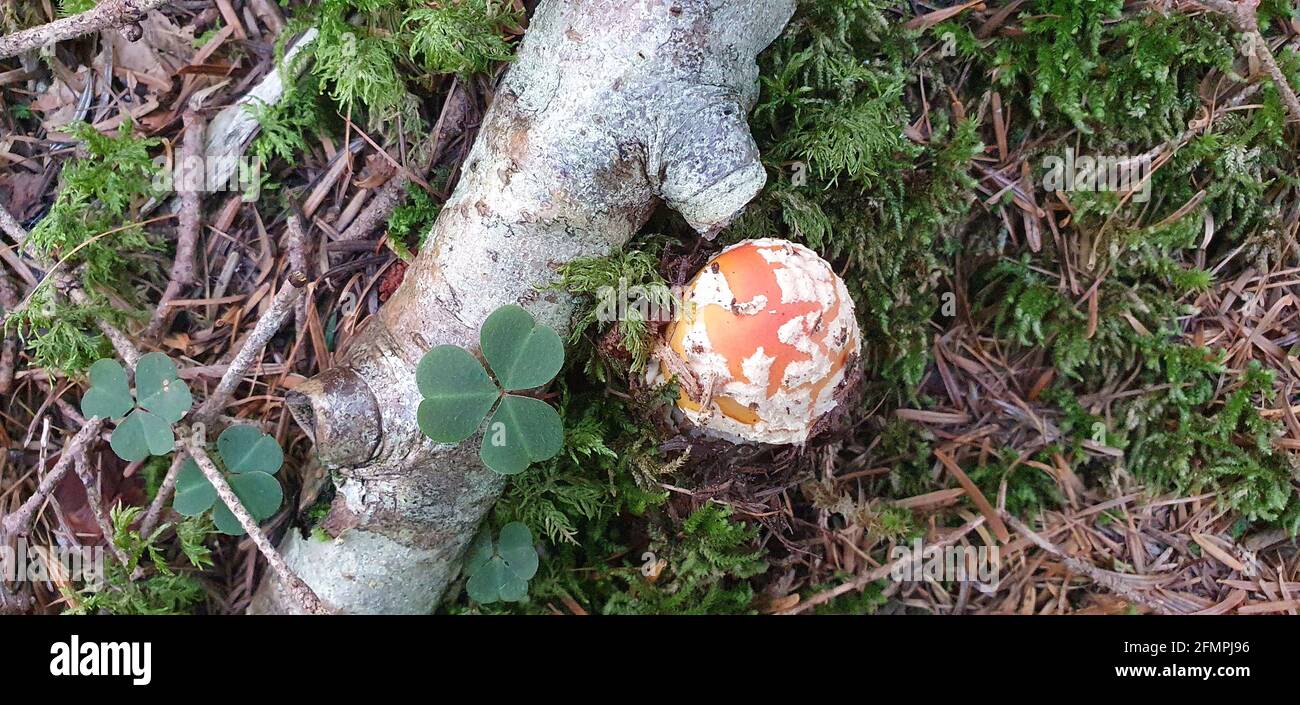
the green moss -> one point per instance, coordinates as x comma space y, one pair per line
604, 470
709, 562
845, 179
411, 222
374, 57
163, 590
89, 226
623, 291
59, 334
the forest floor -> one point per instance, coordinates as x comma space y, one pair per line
1071, 228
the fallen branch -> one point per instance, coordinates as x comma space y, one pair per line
194, 444
106, 15
190, 177
281, 308
602, 116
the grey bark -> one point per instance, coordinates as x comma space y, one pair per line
113, 13
611, 107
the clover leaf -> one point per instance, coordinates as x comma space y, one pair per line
458, 393
194, 494
522, 431
244, 448
250, 458
162, 397
500, 570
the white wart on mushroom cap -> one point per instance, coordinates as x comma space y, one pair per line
770, 327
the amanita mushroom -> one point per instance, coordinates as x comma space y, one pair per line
766, 331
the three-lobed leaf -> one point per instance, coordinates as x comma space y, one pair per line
260, 494
500, 570
251, 458
194, 494
515, 546
522, 354
457, 394
159, 388
162, 397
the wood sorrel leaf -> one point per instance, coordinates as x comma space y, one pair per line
141, 434
194, 494
109, 395
159, 388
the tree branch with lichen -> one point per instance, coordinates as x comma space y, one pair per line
106, 15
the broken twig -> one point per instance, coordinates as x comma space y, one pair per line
281, 308
194, 444
19, 522
189, 220
106, 15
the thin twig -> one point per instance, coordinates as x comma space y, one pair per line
9, 344
108, 14
19, 522
1242, 15
190, 175
281, 308
12, 227
194, 444
298, 247
95, 501
164, 493
451, 123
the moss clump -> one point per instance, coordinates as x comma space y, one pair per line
373, 57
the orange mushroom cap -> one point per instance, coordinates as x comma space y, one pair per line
769, 327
